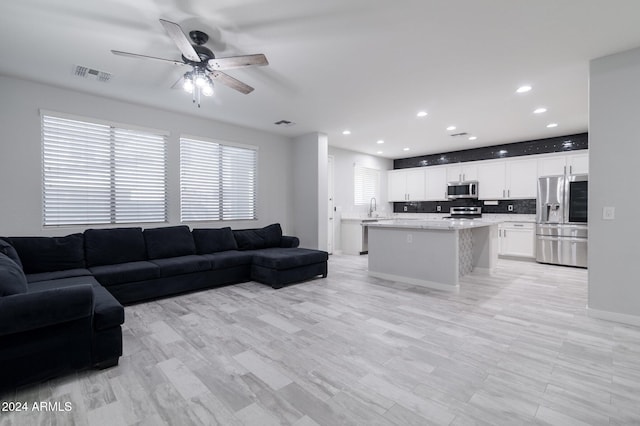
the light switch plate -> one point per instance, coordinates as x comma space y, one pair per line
608, 213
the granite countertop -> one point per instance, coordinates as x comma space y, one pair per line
452, 224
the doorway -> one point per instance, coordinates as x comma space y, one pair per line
331, 206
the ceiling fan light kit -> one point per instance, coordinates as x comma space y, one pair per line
205, 67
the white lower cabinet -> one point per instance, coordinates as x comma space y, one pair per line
517, 239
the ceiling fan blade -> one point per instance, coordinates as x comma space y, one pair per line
181, 40
227, 80
135, 55
238, 62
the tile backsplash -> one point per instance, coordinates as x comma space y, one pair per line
519, 206
517, 149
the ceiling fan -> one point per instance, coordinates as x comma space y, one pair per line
205, 67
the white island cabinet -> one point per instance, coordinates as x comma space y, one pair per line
433, 254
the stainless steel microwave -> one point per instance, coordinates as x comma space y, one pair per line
465, 189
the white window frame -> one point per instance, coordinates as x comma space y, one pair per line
227, 191
101, 172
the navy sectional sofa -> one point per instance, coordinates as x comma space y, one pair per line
61, 297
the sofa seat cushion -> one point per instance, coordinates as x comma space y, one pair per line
114, 245
46, 254
169, 241
288, 258
107, 311
214, 240
181, 265
125, 272
12, 279
56, 275
229, 259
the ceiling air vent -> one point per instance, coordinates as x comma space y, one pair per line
92, 74
459, 134
284, 123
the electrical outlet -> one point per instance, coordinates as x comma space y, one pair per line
404, 208
438, 208
608, 213
510, 207
410, 238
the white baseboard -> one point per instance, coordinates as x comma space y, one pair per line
613, 316
414, 281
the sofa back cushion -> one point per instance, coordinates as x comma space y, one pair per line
12, 279
252, 239
114, 245
170, 241
10, 251
214, 240
47, 254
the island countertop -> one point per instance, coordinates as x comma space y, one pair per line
442, 224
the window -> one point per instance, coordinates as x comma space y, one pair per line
366, 184
217, 181
96, 173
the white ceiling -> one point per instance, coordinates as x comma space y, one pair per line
364, 65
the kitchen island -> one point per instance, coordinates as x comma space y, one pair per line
431, 253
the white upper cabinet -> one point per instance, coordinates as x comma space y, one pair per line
522, 178
492, 181
436, 189
462, 172
416, 184
397, 189
564, 163
507, 179
578, 164
552, 165
406, 184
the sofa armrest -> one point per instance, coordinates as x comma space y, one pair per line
29, 311
289, 242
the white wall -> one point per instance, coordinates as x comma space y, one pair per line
20, 155
614, 154
344, 161
310, 196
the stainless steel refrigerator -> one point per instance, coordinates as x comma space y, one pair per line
561, 216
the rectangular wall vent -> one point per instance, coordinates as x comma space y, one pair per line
90, 73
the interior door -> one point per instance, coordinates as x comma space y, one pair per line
331, 205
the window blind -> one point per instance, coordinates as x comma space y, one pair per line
366, 184
217, 181
97, 173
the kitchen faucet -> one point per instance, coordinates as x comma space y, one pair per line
372, 206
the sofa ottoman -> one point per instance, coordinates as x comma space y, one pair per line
280, 266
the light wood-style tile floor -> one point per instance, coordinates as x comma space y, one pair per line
508, 349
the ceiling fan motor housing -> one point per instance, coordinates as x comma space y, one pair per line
204, 54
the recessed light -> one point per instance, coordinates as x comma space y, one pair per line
552, 125
422, 114
346, 132
523, 89
473, 138
379, 152
451, 128
380, 142
405, 149
539, 110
